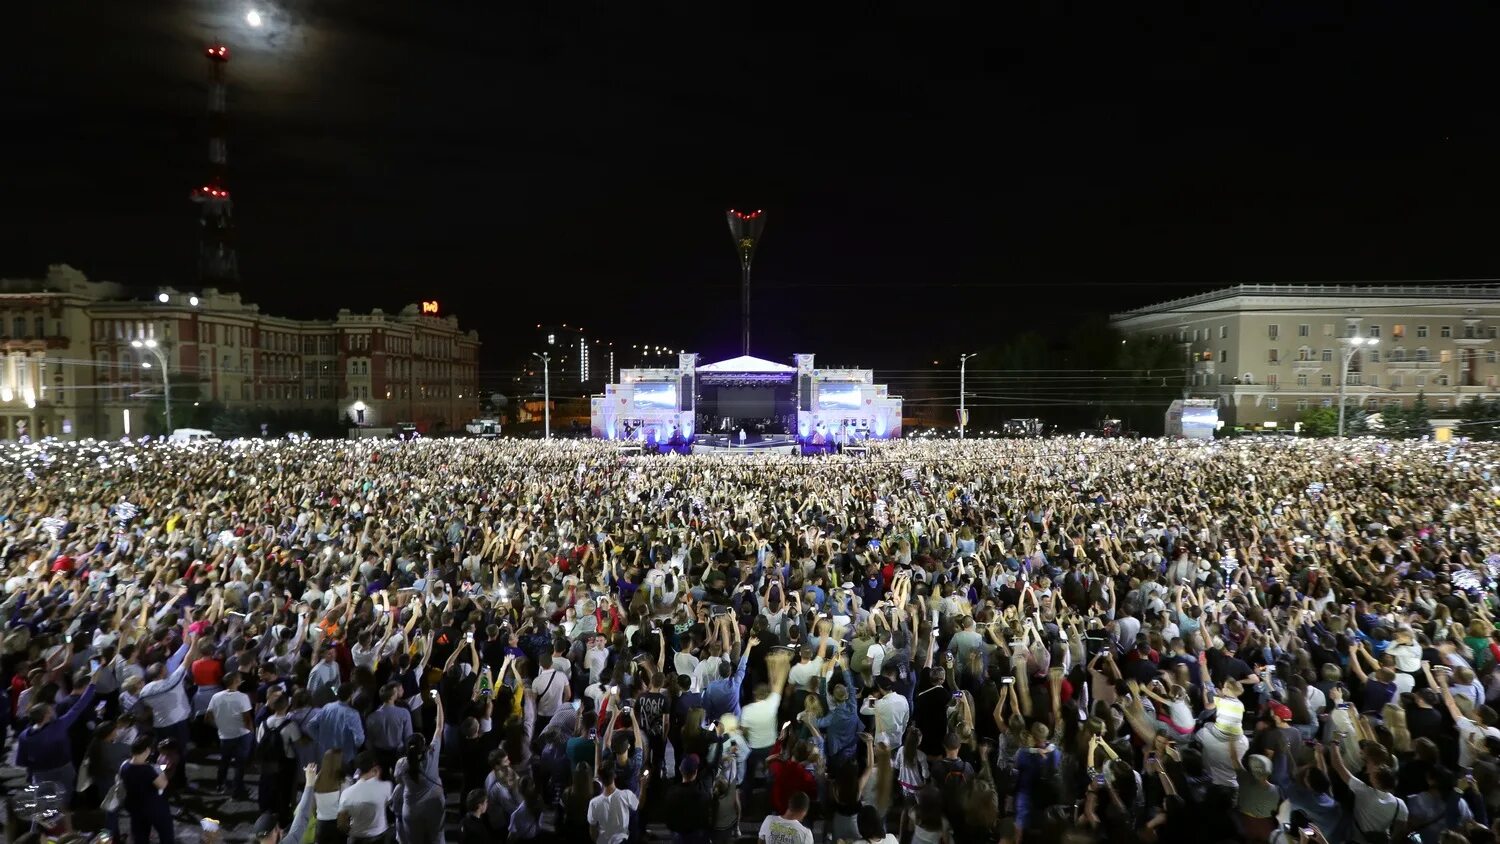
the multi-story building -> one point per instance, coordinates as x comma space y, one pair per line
1267, 352
70, 368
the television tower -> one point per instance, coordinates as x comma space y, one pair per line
217, 263
745, 227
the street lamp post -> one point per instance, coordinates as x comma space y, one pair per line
1351, 347
546, 394
962, 418
166, 377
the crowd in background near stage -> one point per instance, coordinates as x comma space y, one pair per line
1048, 640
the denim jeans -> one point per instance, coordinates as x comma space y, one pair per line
236, 750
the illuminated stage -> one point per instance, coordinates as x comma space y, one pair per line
693, 408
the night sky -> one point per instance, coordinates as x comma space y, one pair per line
930, 180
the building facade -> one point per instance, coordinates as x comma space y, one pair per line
1267, 352
71, 367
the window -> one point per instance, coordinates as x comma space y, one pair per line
1421, 380
1327, 329
1325, 380
1301, 404
1374, 380
1351, 329
1445, 356
1421, 354
1302, 380
1374, 331
1273, 356
1327, 355
1445, 331
1271, 404
1494, 332
1398, 331
1442, 380
1223, 332
1327, 402
1398, 355
1195, 339
1223, 356
1421, 331
19, 328
1442, 404
1395, 381
1470, 331
1304, 354
41, 328
1304, 330
1272, 379
1275, 332
1489, 356
1355, 379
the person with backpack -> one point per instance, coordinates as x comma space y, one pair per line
1379, 815
952, 775
276, 757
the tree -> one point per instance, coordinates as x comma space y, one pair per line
1481, 419
1406, 424
1320, 421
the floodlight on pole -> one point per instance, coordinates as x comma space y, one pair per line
745, 227
1351, 347
546, 394
963, 416
154, 348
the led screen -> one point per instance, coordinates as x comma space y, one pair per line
656, 396
839, 395
1199, 423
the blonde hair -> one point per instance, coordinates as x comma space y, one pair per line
1395, 721
885, 776
330, 773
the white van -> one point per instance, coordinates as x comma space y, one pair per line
193, 435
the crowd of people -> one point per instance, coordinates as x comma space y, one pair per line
985, 641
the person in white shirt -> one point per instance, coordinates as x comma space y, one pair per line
1221, 750
787, 828
595, 658
609, 813
707, 670
891, 712
231, 712
323, 678
551, 687
811, 666
363, 803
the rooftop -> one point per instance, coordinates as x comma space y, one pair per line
1481, 292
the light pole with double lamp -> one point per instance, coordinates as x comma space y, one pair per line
1351, 347
166, 378
963, 419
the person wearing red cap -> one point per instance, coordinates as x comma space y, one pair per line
1275, 739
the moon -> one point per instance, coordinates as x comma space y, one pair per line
253, 18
